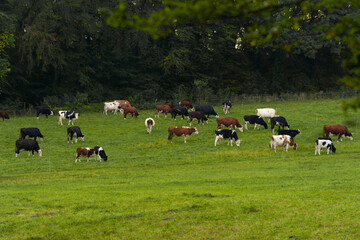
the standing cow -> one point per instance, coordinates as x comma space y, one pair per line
337, 129
112, 106
149, 123
130, 110
27, 145
4, 115
164, 108
266, 113
186, 104
31, 132
44, 111
226, 105
179, 111
71, 115
227, 122
278, 121
75, 130
229, 134
282, 140
254, 119
327, 143
198, 116
207, 110
85, 152
181, 131
99, 152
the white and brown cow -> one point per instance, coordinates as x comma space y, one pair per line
149, 123
111, 106
229, 121
85, 152
282, 140
181, 131
337, 129
123, 103
164, 108
130, 110
186, 104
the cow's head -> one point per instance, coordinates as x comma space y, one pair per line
333, 149
196, 131
238, 142
299, 131
39, 152
294, 146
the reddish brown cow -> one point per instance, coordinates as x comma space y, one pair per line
227, 122
85, 152
337, 129
130, 110
162, 109
181, 131
4, 115
123, 103
186, 104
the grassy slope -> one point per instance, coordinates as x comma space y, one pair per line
150, 189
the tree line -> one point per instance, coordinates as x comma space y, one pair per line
60, 50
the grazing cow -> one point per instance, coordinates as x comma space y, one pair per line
170, 104
130, 110
149, 123
31, 132
280, 121
164, 108
179, 111
291, 133
226, 134
337, 129
123, 103
266, 112
100, 153
226, 105
282, 140
44, 111
197, 115
229, 121
84, 151
327, 143
186, 104
181, 131
71, 115
254, 119
4, 115
27, 145
207, 110
71, 131
113, 106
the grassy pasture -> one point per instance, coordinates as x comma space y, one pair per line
152, 189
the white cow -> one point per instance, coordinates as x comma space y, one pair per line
71, 115
321, 143
282, 140
149, 123
113, 106
266, 113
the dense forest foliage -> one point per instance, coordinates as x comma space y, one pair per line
53, 51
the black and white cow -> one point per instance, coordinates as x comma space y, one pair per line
327, 143
31, 132
226, 134
291, 133
280, 121
71, 131
179, 111
100, 153
198, 116
207, 110
44, 111
27, 145
226, 105
254, 119
71, 115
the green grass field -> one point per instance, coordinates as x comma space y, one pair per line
152, 189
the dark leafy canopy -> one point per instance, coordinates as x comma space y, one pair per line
65, 48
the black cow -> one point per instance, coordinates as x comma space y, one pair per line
197, 115
207, 110
99, 152
227, 134
179, 111
31, 132
226, 106
281, 121
291, 133
44, 111
74, 130
27, 145
254, 119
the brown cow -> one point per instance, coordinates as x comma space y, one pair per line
123, 103
84, 151
162, 109
130, 110
337, 129
227, 122
170, 104
181, 131
186, 104
4, 115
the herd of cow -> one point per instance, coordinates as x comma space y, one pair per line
285, 137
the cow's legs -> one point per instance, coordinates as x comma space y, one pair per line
184, 139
